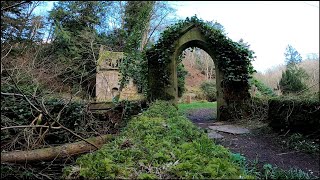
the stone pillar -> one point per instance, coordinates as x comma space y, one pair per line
188, 99
172, 91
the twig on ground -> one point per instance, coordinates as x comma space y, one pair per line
287, 153
29, 126
285, 133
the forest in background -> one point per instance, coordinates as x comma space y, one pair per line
57, 52
48, 68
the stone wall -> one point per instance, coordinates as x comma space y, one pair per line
107, 85
108, 76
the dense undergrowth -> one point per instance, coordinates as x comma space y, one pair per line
159, 144
72, 114
298, 114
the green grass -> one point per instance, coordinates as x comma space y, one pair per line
159, 144
196, 105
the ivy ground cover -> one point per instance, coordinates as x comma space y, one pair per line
160, 143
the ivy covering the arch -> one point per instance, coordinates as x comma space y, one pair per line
233, 58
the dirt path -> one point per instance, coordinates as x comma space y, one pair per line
260, 146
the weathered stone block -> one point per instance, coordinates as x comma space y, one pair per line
108, 77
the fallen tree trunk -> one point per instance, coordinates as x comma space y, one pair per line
57, 152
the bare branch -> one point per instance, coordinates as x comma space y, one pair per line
77, 135
21, 92
29, 126
11, 94
6, 8
48, 114
7, 53
156, 28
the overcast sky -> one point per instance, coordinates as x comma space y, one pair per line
268, 26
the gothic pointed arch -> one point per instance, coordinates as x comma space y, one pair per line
232, 61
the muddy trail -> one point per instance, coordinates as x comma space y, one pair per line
261, 145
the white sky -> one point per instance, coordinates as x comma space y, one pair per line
268, 26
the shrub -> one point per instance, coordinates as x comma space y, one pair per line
262, 88
295, 114
17, 111
210, 91
26, 84
292, 80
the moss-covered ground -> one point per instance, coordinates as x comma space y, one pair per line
160, 143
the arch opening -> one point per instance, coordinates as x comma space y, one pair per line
115, 92
197, 81
184, 43
194, 38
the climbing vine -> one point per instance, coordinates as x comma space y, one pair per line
133, 64
233, 58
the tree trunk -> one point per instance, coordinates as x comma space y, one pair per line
57, 152
144, 39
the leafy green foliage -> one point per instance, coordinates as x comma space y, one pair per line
26, 84
160, 144
15, 107
297, 141
134, 65
75, 36
268, 171
271, 172
262, 88
17, 111
234, 59
181, 73
114, 40
292, 80
246, 165
17, 22
295, 113
209, 89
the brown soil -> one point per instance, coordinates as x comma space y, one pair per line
267, 150
263, 146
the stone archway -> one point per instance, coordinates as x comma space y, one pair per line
231, 59
191, 36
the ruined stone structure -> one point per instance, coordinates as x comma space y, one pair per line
108, 77
192, 36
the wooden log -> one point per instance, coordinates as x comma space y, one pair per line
57, 152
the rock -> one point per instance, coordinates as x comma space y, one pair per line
218, 123
214, 135
230, 129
